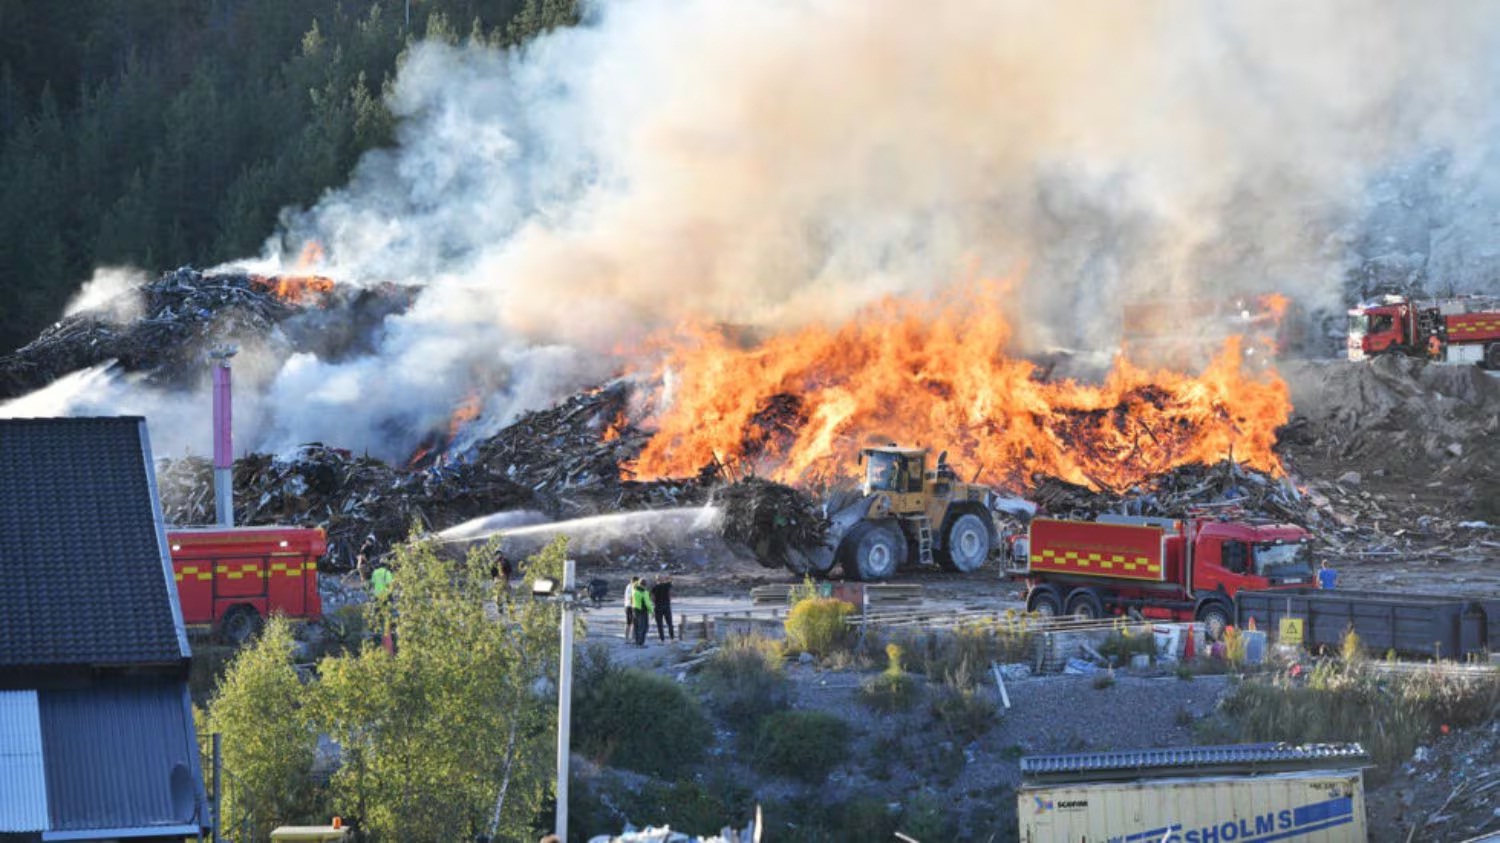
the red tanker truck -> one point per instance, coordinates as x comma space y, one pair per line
1463, 330
230, 579
1162, 568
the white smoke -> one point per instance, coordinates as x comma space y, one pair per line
113, 293
783, 161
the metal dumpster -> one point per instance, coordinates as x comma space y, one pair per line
1420, 625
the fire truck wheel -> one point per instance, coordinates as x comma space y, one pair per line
1044, 601
1215, 618
1085, 605
967, 545
241, 623
872, 552
1492, 357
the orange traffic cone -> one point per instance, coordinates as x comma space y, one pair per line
1190, 650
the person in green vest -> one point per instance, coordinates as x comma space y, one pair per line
643, 611
380, 581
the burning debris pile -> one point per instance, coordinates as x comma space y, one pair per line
162, 329
571, 455
353, 498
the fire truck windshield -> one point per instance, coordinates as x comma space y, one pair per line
1359, 324
1283, 561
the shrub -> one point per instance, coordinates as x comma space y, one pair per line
959, 706
1120, 646
818, 625
1235, 647
744, 679
893, 690
804, 745
1103, 681
637, 720
1389, 714
969, 649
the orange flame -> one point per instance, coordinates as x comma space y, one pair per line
293, 289
466, 411
311, 254
798, 406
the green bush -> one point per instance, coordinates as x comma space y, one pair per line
893, 690
744, 679
961, 708
1390, 714
637, 720
1120, 646
805, 745
818, 625
968, 650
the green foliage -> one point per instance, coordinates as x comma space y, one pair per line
636, 719
267, 736
960, 707
694, 806
439, 738
818, 625
804, 745
1120, 646
968, 650
1390, 714
893, 690
1234, 647
744, 679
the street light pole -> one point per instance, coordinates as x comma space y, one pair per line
564, 700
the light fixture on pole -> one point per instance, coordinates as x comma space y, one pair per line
548, 587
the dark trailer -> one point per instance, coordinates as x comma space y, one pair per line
1419, 625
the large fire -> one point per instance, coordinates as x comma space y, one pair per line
293, 289
797, 407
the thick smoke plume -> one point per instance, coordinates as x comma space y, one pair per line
770, 163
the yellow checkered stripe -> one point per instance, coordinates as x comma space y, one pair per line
1114, 563
1474, 327
242, 570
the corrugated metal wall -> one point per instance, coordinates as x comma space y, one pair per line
23, 780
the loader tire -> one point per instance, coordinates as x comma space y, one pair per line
1492, 357
967, 545
240, 625
872, 552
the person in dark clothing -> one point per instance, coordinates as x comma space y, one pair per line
661, 599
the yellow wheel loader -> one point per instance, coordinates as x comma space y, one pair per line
906, 512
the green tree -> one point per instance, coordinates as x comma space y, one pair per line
449, 737
268, 741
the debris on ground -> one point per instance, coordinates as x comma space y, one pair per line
1449, 791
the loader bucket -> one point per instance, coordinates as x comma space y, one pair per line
850, 511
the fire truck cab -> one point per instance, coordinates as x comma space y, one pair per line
231, 579
1163, 568
1459, 330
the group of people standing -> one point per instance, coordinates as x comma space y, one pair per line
642, 603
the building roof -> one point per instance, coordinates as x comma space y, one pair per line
85, 578
1231, 759
117, 758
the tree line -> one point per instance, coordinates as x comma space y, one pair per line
159, 133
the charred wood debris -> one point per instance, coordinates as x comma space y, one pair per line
574, 459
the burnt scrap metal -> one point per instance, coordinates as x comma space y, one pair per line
163, 328
354, 498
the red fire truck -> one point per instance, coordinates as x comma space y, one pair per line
1457, 330
230, 579
1163, 568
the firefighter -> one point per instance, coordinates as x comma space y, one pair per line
630, 586
643, 610
1434, 348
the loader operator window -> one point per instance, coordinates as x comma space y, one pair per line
1286, 561
884, 472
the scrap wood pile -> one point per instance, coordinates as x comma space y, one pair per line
1183, 491
571, 456
351, 497
774, 523
164, 328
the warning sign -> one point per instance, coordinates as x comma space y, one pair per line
1291, 631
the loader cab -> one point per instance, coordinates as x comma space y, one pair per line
895, 471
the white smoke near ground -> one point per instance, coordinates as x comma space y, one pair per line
774, 163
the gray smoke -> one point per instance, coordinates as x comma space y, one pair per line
767, 164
